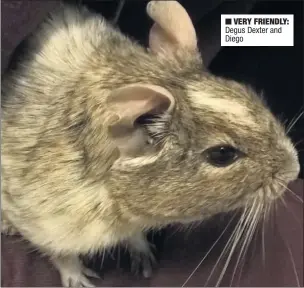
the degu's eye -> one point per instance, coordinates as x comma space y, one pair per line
222, 155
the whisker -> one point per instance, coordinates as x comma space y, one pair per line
294, 121
292, 262
189, 229
241, 270
289, 251
281, 182
274, 217
253, 232
230, 240
176, 230
102, 259
265, 217
238, 236
289, 210
241, 253
209, 251
284, 122
233, 248
118, 11
247, 239
294, 267
198, 224
295, 195
298, 142
292, 193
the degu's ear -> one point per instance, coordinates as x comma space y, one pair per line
131, 103
172, 29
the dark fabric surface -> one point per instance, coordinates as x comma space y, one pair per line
180, 253
19, 19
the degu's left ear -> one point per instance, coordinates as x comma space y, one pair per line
172, 29
129, 104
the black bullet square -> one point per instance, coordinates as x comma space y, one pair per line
228, 21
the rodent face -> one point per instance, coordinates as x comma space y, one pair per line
218, 150
224, 150
172, 175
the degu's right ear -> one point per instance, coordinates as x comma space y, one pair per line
128, 104
172, 28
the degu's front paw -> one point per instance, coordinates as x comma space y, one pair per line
76, 279
142, 262
142, 257
73, 273
7, 228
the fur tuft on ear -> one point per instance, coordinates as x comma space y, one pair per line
142, 115
172, 29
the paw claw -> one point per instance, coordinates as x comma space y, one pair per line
73, 273
76, 281
90, 273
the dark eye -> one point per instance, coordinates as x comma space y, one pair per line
222, 156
